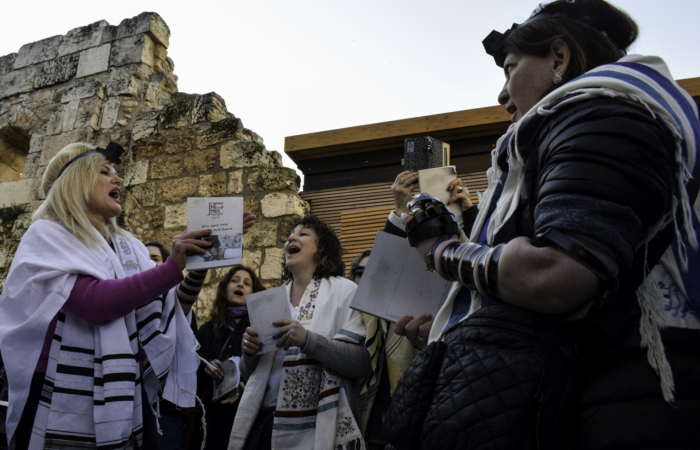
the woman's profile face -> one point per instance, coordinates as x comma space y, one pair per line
104, 202
241, 284
528, 78
300, 248
156, 255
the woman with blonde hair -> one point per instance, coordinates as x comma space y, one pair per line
88, 325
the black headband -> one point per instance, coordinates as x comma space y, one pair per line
113, 153
495, 42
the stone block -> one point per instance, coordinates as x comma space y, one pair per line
149, 148
251, 204
139, 196
278, 204
16, 193
134, 173
199, 161
124, 80
70, 114
17, 82
31, 165
6, 63
83, 89
145, 125
19, 227
56, 143
82, 38
40, 98
57, 71
121, 136
252, 259
177, 190
25, 119
224, 130
45, 112
36, 52
166, 83
7, 254
94, 60
274, 179
110, 33
166, 167
89, 113
180, 141
147, 22
132, 50
36, 143
261, 235
178, 113
272, 267
243, 154
154, 217
235, 182
212, 185
208, 108
175, 216
110, 114
55, 123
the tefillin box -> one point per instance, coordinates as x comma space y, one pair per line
425, 153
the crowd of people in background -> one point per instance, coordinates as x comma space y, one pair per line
571, 322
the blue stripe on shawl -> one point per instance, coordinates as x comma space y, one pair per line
327, 406
351, 335
293, 426
673, 91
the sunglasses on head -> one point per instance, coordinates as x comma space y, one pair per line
357, 271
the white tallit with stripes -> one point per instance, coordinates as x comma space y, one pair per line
92, 390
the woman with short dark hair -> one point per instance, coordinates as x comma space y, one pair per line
594, 182
304, 395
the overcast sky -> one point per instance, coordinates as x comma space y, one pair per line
288, 67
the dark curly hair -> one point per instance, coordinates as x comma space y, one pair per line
329, 256
163, 252
597, 33
218, 309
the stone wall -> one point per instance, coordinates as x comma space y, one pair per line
102, 83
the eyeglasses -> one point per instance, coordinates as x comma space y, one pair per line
357, 271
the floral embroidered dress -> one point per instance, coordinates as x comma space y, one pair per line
312, 409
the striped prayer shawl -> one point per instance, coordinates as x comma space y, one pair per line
670, 293
92, 393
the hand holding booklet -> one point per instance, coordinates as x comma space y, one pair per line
264, 308
435, 181
232, 376
224, 216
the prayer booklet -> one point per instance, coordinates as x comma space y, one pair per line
396, 284
264, 308
434, 182
232, 376
224, 216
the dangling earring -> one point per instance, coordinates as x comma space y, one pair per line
556, 79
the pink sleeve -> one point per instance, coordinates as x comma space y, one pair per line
102, 301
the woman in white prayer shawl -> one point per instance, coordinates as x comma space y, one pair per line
304, 395
90, 330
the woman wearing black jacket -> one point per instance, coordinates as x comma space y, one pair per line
220, 338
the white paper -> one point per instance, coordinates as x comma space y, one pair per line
396, 284
224, 216
435, 181
232, 376
264, 308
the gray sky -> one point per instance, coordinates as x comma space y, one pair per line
291, 67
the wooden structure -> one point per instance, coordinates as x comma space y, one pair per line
348, 172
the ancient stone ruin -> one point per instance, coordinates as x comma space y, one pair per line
102, 83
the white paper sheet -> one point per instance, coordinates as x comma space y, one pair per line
264, 308
434, 182
395, 282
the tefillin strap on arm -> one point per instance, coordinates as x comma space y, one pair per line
473, 265
563, 243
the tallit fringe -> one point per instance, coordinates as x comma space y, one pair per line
355, 444
647, 292
196, 347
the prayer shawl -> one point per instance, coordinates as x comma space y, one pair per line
92, 391
312, 409
382, 344
670, 294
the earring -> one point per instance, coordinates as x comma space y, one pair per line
556, 79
